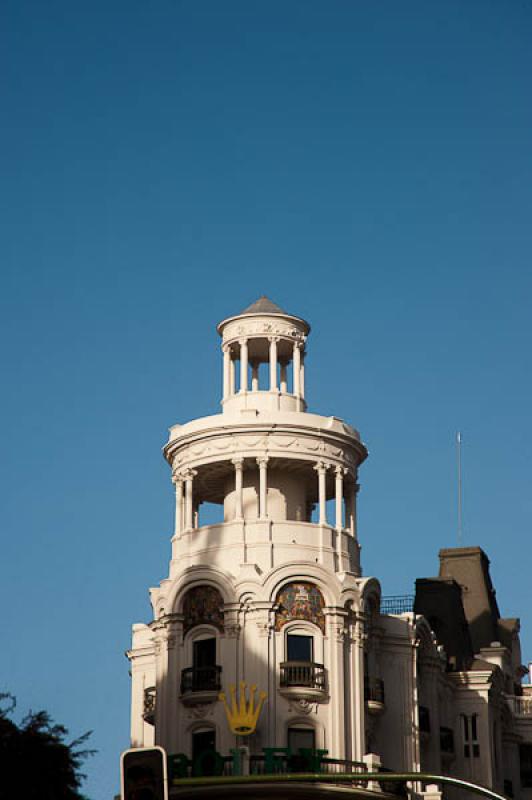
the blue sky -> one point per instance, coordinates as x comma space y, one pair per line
368, 165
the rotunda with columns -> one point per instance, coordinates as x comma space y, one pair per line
271, 592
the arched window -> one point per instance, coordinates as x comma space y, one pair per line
299, 600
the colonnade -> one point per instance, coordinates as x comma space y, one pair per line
186, 514
229, 373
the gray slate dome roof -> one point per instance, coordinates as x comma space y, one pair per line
262, 306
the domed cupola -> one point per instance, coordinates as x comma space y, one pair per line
264, 334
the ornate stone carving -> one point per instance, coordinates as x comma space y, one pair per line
260, 327
303, 706
281, 443
200, 711
339, 631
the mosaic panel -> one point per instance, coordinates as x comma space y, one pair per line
203, 604
300, 600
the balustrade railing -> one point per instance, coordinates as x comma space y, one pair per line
521, 705
201, 679
302, 674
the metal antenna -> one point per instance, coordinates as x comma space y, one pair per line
459, 464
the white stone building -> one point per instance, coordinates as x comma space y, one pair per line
273, 594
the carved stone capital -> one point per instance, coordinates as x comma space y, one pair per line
262, 461
232, 631
238, 462
264, 628
339, 632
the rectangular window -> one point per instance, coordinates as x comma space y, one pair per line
204, 757
470, 736
204, 654
299, 648
525, 757
424, 719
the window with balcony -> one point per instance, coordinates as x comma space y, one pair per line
300, 674
205, 674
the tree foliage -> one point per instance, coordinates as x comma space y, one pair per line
36, 763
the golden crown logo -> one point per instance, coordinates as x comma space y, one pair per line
243, 714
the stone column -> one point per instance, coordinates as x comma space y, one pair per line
358, 704
254, 376
239, 485
263, 487
321, 469
175, 636
161, 672
356, 488
227, 371
273, 363
339, 495
138, 684
232, 375
302, 376
189, 500
284, 381
335, 620
351, 507
296, 368
243, 365
177, 480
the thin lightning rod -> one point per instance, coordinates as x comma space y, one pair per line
459, 464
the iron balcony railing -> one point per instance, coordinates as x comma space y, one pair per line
397, 603
374, 690
201, 679
148, 711
302, 673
